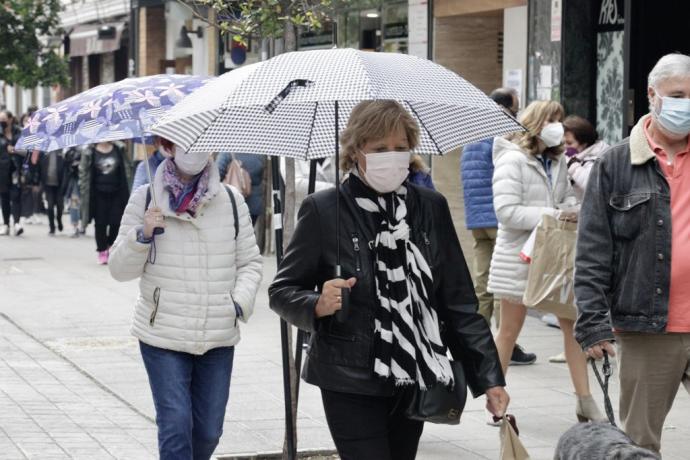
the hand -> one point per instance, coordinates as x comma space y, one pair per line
153, 218
330, 300
497, 400
597, 351
10, 149
567, 216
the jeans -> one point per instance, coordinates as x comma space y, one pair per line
370, 427
190, 393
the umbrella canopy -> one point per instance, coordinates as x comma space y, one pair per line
286, 106
115, 111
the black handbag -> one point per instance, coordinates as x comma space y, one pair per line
440, 404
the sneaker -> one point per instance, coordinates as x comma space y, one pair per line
75, 234
18, 230
521, 358
103, 257
551, 320
4, 230
559, 358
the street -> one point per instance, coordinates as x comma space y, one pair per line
72, 384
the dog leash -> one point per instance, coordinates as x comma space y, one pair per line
604, 383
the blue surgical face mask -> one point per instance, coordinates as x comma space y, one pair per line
674, 115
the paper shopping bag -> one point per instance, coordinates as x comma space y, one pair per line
511, 446
551, 272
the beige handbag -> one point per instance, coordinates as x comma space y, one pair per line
238, 177
552, 267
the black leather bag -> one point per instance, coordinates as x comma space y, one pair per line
440, 404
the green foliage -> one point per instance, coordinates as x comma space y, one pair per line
26, 58
269, 18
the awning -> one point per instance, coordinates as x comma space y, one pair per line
84, 39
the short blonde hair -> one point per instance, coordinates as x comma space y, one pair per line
373, 120
533, 118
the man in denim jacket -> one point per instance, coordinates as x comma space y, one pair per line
633, 255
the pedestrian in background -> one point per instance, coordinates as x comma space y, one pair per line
531, 180
364, 389
254, 165
32, 192
72, 195
633, 256
420, 173
196, 280
104, 178
477, 170
52, 168
161, 152
11, 162
583, 148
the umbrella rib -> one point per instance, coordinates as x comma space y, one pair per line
421, 122
311, 131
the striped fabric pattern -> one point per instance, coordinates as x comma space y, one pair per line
407, 343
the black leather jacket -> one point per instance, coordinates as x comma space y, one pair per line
340, 357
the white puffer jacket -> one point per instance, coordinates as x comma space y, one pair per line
522, 194
198, 271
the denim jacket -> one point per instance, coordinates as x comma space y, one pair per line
623, 261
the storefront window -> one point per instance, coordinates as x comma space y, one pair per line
395, 28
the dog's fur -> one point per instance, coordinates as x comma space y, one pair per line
599, 441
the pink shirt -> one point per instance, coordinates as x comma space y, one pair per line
678, 177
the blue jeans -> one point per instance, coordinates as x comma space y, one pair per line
190, 393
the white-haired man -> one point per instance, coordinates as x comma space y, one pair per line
633, 255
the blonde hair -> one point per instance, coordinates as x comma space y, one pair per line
417, 164
533, 118
374, 120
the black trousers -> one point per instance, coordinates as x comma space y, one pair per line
370, 427
11, 202
108, 210
55, 200
5, 204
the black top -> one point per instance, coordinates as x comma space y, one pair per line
106, 171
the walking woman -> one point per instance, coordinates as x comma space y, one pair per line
72, 193
10, 174
531, 180
196, 280
104, 178
402, 261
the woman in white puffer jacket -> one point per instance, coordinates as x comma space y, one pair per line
531, 180
196, 280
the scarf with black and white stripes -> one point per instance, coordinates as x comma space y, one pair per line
407, 342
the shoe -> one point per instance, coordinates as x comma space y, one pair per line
60, 227
588, 411
4, 230
103, 257
551, 320
18, 230
51, 233
521, 358
75, 234
559, 358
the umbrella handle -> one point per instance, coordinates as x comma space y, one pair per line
344, 312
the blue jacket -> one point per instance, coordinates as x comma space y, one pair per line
477, 170
422, 179
140, 176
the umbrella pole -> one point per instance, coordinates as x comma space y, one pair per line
285, 346
301, 335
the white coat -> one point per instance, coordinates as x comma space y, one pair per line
522, 195
200, 270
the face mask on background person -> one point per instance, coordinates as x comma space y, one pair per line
674, 115
571, 151
552, 134
386, 171
190, 163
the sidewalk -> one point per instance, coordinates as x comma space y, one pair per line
72, 384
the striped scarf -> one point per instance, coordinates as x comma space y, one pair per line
407, 340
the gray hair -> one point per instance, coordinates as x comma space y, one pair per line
669, 66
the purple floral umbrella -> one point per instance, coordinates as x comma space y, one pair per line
114, 111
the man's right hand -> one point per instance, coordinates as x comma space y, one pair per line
330, 300
597, 351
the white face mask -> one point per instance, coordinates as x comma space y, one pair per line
552, 134
190, 163
386, 171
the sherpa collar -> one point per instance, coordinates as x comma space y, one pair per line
640, 151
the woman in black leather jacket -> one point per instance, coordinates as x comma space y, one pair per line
411, 295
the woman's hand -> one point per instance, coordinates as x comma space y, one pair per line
497, 400
330, 300
153, 218
567, 216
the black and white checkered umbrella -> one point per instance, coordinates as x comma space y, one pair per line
286, 105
